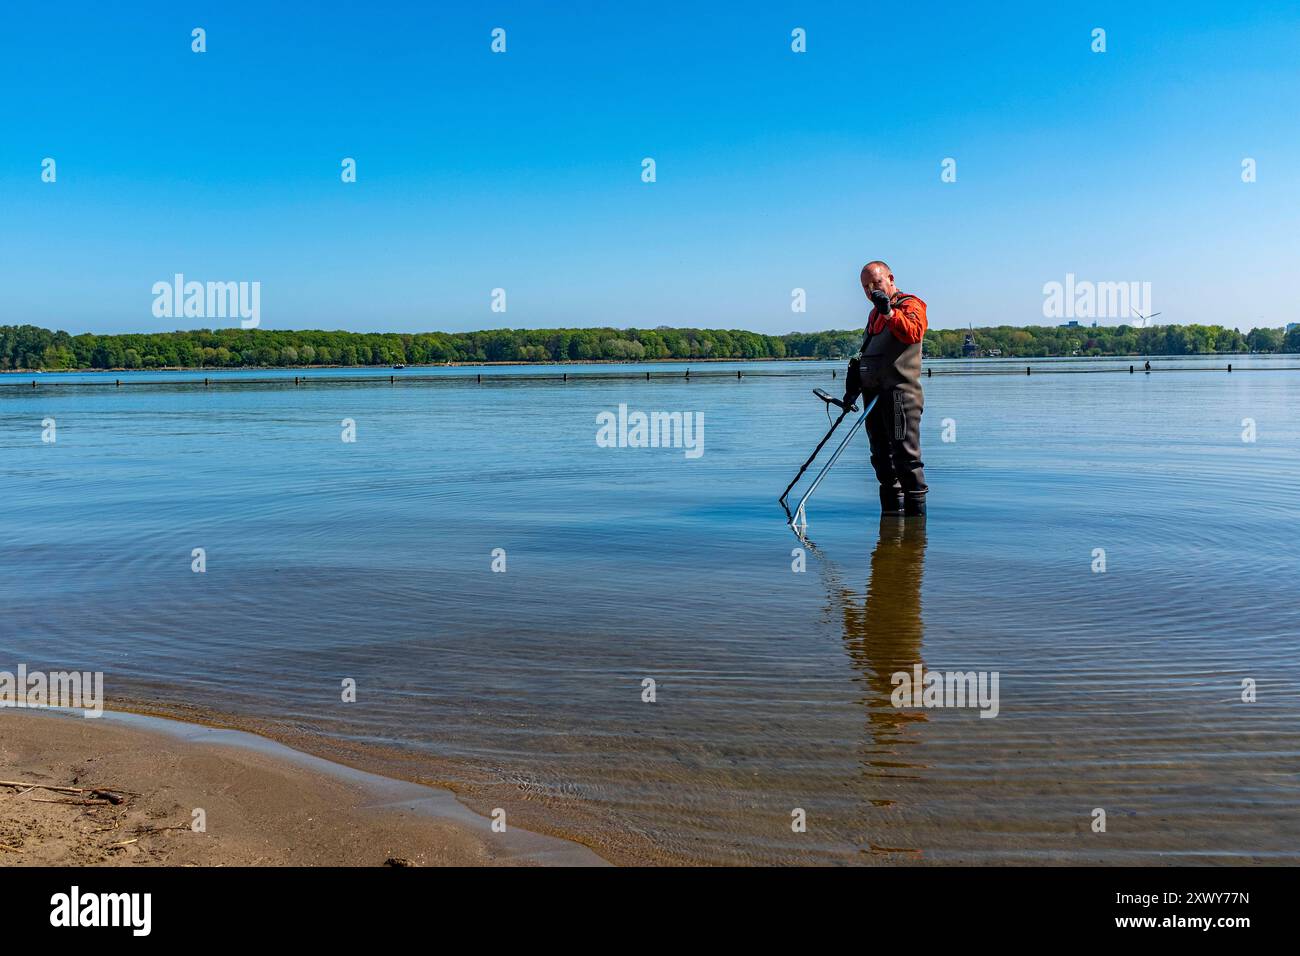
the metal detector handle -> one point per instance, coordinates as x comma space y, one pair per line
835, 401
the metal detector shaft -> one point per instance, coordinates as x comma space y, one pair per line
800, 518
827, 437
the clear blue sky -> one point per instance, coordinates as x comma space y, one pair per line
775, 170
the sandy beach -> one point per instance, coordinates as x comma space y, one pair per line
131, 786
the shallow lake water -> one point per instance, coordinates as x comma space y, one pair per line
1119, 689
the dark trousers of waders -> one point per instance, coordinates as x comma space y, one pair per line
894, 430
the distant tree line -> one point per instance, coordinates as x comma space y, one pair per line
30, 347
1036, 341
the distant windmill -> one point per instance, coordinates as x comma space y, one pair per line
1145, 318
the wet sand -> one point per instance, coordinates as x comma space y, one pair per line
263, 804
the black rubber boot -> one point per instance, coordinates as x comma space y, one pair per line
914, 506
891, 501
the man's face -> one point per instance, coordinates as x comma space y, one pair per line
875, 277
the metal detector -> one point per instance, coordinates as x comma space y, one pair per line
799, 519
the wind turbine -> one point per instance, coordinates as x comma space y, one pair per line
1145, 318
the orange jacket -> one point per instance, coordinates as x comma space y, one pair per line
907, 321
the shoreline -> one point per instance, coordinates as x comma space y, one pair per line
620, 362
474, 784
381, 366
263, 802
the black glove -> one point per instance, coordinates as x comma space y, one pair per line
880, 299
852, 383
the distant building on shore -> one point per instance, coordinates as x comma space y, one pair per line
968, 348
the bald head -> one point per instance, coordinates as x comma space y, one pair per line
876, 275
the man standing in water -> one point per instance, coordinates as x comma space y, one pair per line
888, 367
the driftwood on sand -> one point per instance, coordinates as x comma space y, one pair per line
113, 795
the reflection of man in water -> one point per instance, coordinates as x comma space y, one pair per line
883, 633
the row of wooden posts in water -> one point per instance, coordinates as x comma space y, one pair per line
564, 376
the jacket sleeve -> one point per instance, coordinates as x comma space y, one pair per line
908, 322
